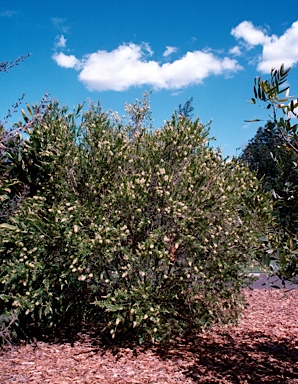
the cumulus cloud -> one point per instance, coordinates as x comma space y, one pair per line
128, 66
251, 34
276, 50
66, 61
146, 48
61, 42
236, 51
169, 50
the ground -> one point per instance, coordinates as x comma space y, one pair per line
262, 348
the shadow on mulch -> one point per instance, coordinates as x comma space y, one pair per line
250, 358
220, 356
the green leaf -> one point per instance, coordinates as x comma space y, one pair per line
266, 260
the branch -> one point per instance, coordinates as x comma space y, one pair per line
5, 65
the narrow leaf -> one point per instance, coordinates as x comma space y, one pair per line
24, 115
8, 226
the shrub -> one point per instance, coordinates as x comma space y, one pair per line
146, 233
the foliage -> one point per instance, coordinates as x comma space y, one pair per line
282, 242
139, 114
275, 167
186, 110
14, 185
145, 232
15, 180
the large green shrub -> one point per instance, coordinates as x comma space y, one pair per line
12, 189
145, 232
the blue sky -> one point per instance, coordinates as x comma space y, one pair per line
113, 51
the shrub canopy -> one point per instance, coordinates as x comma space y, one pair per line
147, 233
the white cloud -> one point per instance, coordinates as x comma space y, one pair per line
236, 51
61, 42
281, 50
127, 66
276, 50
251, 34
169, 50
146, 48
66, 61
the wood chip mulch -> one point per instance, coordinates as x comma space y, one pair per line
263, 348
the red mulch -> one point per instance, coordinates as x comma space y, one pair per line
263, 348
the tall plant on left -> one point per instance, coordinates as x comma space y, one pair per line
14, 182
35, 245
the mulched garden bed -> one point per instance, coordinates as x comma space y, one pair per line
262, 348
